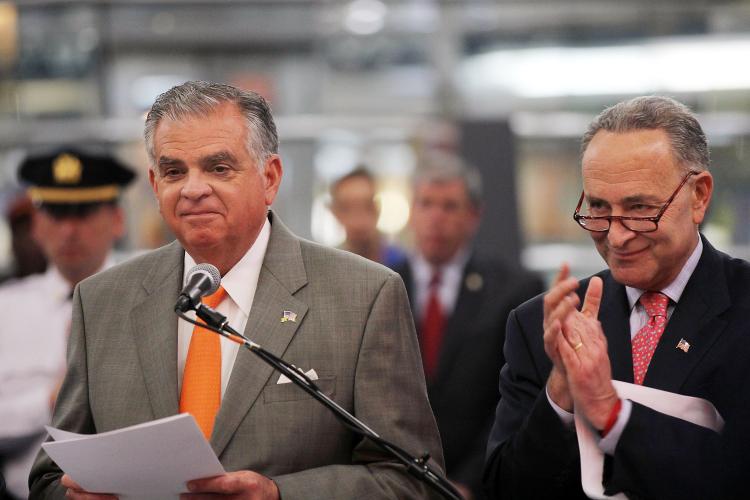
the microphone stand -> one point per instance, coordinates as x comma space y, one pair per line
418, 467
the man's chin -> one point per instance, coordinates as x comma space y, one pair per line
631, 276
201, 243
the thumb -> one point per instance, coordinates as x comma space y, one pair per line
593, 298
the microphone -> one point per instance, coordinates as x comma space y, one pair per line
203, 279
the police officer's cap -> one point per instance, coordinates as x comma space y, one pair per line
72, 182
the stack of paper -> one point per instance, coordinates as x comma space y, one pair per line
148, 461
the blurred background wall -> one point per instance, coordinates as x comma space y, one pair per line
508, 84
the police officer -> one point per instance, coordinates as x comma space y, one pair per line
76, 221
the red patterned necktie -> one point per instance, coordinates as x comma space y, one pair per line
644, 342
433, 322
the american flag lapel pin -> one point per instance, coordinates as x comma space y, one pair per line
683, 345
289, 316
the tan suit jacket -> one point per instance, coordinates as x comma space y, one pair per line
353, 327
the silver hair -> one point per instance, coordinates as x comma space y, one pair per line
437, 167
198, 98
689, 144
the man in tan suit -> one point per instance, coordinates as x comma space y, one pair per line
215, 171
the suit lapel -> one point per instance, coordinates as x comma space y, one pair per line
614, 314
465, 312
283, 274
695, 320
155, 331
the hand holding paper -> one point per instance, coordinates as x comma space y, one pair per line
153, 460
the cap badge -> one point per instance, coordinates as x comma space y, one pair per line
67, 169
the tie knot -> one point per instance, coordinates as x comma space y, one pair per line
215, 298
655, 303
436, 278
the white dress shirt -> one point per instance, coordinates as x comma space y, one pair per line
638, 318
451, 275
240, 284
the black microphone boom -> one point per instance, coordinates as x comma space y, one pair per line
203, 279
417, 467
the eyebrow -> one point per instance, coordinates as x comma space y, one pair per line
166, 162
220, 157
206, 161
636, 198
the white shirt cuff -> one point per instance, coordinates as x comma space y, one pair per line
609, 442
565, 416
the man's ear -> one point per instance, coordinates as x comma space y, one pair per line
701, 196
273, 171
36, 232
152, 181
476, 211
118, 221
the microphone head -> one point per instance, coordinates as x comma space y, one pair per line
211, 272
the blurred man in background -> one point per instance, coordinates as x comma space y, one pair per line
669, 313
460, 302
354, 205
76, 221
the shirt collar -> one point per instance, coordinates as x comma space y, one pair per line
60, 287
245, 271
423, 270
673, 290
57, 284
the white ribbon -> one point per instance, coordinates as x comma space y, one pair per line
696, 410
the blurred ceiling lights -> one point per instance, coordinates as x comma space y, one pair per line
365, 17
675, 64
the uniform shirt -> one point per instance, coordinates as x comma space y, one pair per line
36, 317
240, 283
36, 313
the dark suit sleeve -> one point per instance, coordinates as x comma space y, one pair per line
71, 413
531, 453
390, 397
516, 288
659, 456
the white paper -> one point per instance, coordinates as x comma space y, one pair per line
147, 461
695, 410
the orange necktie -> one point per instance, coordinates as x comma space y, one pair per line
201, 380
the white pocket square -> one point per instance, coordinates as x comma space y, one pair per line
283, 379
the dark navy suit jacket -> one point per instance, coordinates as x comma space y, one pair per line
464, 392
532, 455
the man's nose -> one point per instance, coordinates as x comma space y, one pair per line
618, 235
67, 226
196, 186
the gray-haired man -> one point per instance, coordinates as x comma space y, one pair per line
215, 171
673, 313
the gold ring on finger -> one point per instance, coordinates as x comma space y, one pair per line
578, 346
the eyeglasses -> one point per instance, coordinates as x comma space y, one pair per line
601, 224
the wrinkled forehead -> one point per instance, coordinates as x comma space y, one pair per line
640, 160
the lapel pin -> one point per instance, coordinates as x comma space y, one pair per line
683, 345
289, 316
474, 282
